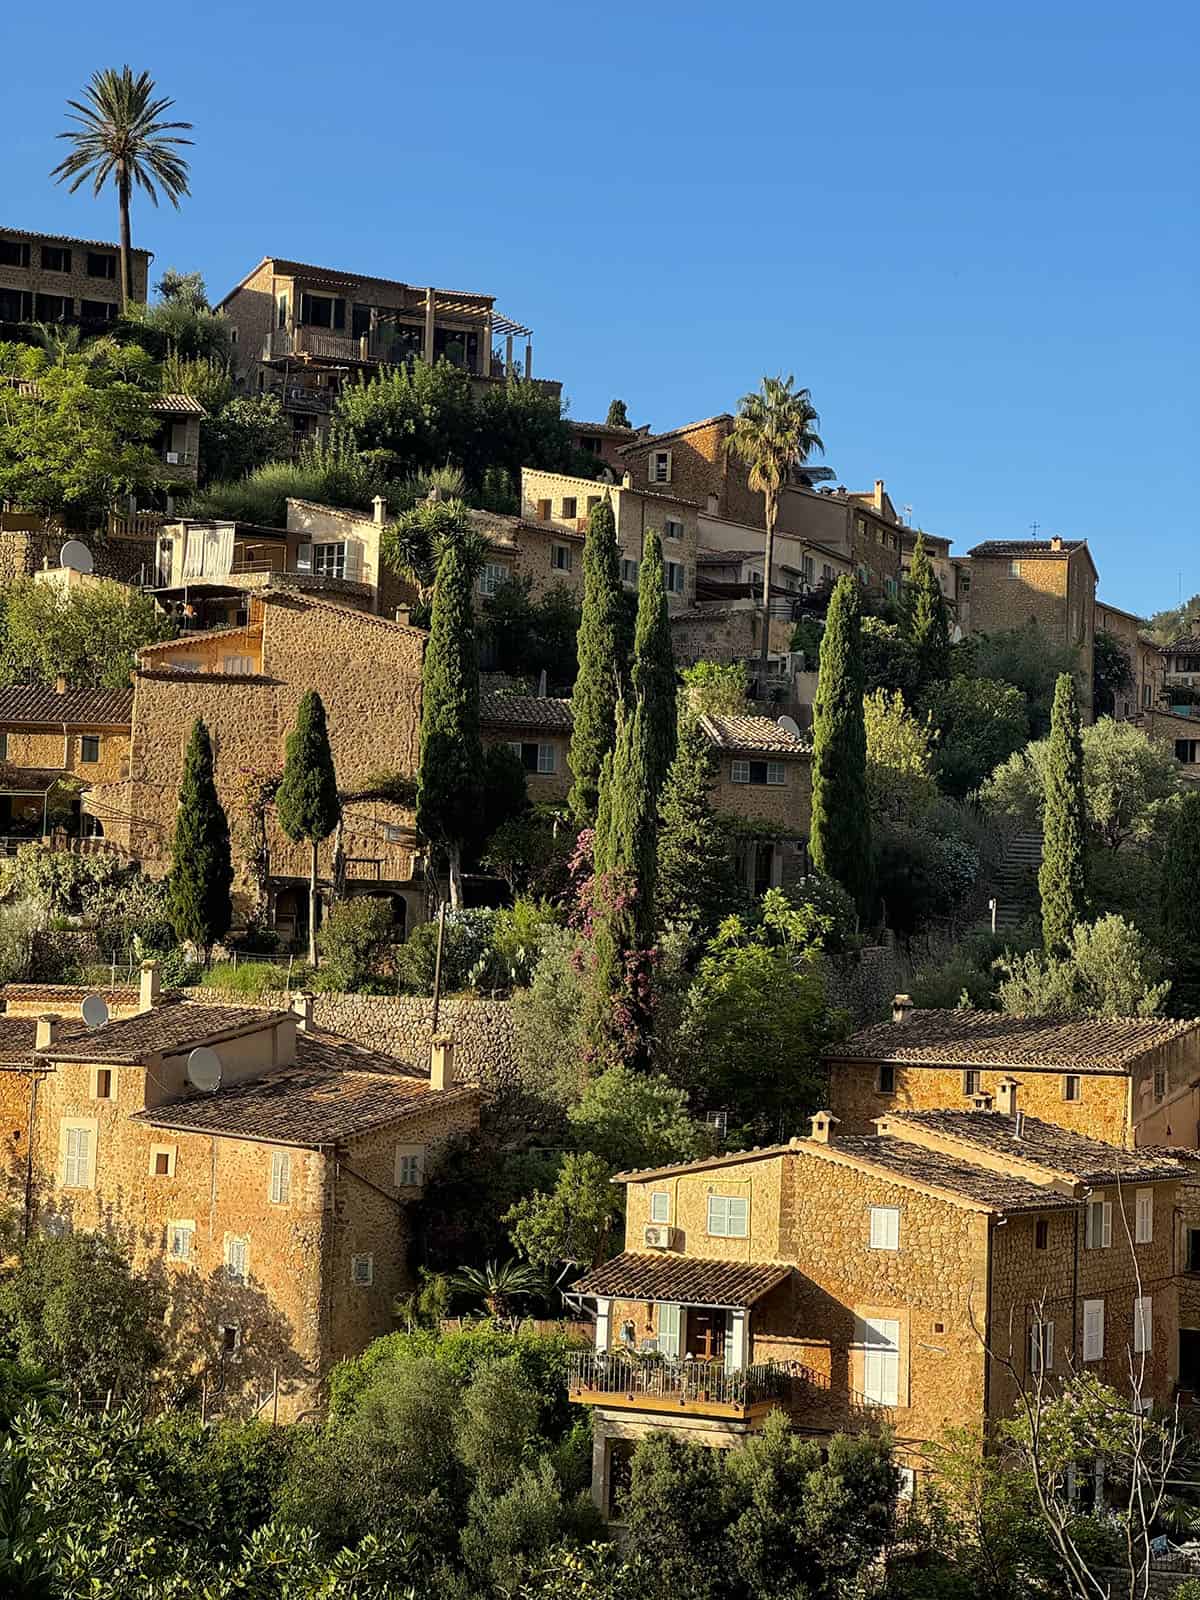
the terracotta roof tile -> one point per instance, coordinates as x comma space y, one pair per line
498, 710
687, 1280
1026, 547
177, 405
38, 703
171, 1028
754, 736
69, 238
996, 1191
17, 1035
990, 1039
1042, 1143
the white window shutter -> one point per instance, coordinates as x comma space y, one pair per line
1143, 1324
1143, 1232
304, 558
1108, 1214
353, 560
670, 1322
1093, 1330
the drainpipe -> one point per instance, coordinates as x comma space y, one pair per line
27, 1219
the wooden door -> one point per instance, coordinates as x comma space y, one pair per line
705, 1334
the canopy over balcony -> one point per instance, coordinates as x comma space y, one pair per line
683, 1280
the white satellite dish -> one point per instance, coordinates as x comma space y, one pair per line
789, 725
204, 1069
94, 1010
76, 556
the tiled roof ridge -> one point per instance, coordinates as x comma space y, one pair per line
37, 702
70, 238
686, 427
735, 732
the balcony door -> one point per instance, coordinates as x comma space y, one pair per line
706, 1334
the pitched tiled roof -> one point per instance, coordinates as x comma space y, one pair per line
17, 1035
69, 238
525, 711
1042, 1143
687, 1280
57, 995
41, 703
1026, 547
608, 430
704, 1164
990, 1039
997, 1191
672, 433
177, 405
724, 558
754, 736
171, 1028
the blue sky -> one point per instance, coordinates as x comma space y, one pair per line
971, 229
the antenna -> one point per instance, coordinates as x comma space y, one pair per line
204, 1069
76, 556
94, 1010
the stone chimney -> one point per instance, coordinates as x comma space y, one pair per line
441, 1061
1006, 1096
148, 997
379, 511
60, 684
403, 613
879, 494
302, 1005
627, 480
902, 1008
48, 1028
1056, 543
981, 1102
823, 1124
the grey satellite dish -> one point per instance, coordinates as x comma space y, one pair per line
204, 1069
76, 556
789, 725
94, 1010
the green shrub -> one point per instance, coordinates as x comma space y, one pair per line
353, 941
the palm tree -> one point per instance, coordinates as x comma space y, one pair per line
772, 432
121, 135
497, 1283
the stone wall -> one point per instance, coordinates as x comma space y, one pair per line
26, 551
402, 1026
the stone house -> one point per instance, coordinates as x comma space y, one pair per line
547, 556
177, 442
57, 744
604, 441
50, 277
764, 783
1180, 730
910, 1277
1051, 582
560, 504
247, 683
537, 728
1144, 655
1131, 1081
273, 1207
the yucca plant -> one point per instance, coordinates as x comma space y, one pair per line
497, 1283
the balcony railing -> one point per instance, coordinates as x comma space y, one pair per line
141, 525
656, 1383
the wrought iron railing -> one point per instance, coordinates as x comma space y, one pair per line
675, 1382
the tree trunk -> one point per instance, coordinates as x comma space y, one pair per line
769, 556
454, 856
126, 240
312, 908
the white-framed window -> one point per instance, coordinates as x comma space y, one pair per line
673, 579
180, 1239
728, 1216
78, 1172
329, 560
1041, 1348
237, 1257
547, 759
560, 557
238, 666
362, 1271
673, 528
535, 756
776, 774
1014, 569
1072, 1087
885, 1227
879, 1339
1093, 1330
410, 1166
739, 772
670, 1329
1098, 1235
281, 1177
660, 466
1143, 1217
493, 575
1143, 1324
629, 571
89, 747
771, 773
162, 1160
660, 1206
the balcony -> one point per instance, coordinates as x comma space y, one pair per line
626, 1381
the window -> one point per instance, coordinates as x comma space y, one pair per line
670, 1330
1093, 1330
727, 1216
660, 466
1072, 1086
162, 1160
568, 507
1041, 1233
52, 307
673, 528
89, 747
362, 1271
544, 510
1014, 569
1143, 1324
231, 1339
179, 1240
885, 1078
1192, 1250
1099, 1225
410, 1166
3, 747
493, 575
674, 577
660, 1206
540, 758
1160, 1082
14, 253
629, 572
321, 311
879, 1339
593, 500
360, 321
77, 1158
1143, 1212
16, 305
98, 310
329, 560
102, 1083
238, 666
972, 1079
281, 311
1041, 1348
101, 265
237, 1255
771, 773
55, 258
885, 1227
281, 1177
560, 558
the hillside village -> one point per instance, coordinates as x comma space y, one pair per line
572, 978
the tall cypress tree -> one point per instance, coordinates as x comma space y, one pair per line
840, 840
1062, 876
450, 770
654, 663
695, 883
601, 676
307, 803
927, 622
201, 864
1181, 906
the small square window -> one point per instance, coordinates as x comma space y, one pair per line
660, 1206
972, 1079
493, 575
545, 509
728, 1216
593, 500
362, 1271
568, 507
885, 1228
231, 1339
161, 1164
776, 774
740, 772
560, 558
1041, 1233
673, 528
101, 265
885, 1080
410, 1166
55, 258
89, 747
1072, 1086
179, 1240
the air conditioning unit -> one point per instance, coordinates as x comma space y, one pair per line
657, 1237
173, 458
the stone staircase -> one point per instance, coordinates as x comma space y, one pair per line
1015, 883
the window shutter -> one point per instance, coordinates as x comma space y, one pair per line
1107, 1238
670, 1327
1093, 1330
1144, 1217
1143, 1324
281, 1177
304, 558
